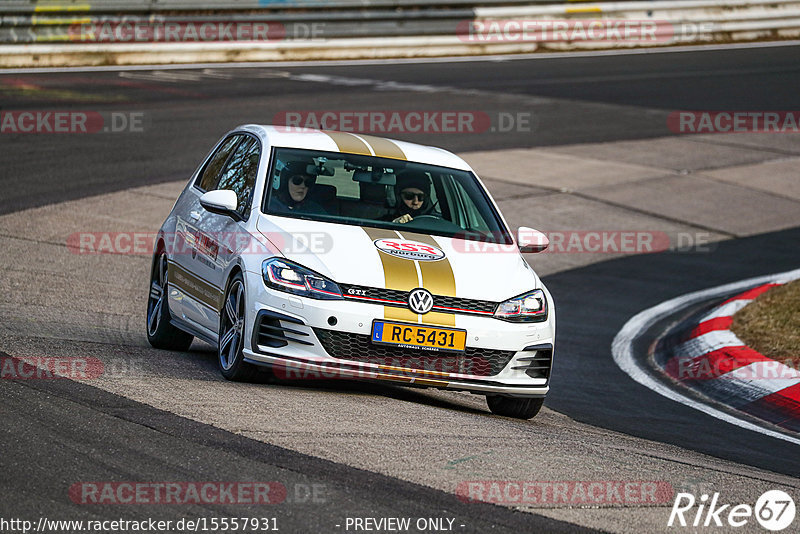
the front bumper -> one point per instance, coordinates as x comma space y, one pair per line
303, 339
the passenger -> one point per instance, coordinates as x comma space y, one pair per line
412, 191
293, 190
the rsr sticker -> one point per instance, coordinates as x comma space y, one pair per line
409, 250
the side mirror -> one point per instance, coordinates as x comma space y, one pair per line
531, 241
221, 202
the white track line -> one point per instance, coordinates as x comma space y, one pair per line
726, 310
391, 61
622, 347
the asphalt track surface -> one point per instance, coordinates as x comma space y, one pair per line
109, 437
580, 100
582, 386
573, 100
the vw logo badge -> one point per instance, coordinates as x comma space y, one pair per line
420, 301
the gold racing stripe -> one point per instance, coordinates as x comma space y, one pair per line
193, 286
384, 148
438, 278
400, 274
395, 378
349, 143
434, 383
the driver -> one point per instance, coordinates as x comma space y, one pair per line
413, 197
294, 188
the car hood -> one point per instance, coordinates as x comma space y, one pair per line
401, 260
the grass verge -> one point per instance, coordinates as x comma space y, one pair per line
771, 324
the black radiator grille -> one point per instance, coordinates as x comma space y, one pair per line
359, 348
394, 297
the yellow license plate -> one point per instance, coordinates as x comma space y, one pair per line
417, 336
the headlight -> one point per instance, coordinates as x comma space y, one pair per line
529, 307
287, 276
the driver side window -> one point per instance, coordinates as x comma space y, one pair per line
239, 173
209, 178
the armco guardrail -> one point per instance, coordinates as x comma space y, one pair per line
28, 22
139, 6
169, 31
677, 22
72, 27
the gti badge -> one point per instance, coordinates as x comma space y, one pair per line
420, 301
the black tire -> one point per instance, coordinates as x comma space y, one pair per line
231, 334
515, 407
160, 332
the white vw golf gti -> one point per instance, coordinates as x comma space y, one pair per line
328, 254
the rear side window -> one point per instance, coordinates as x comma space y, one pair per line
209, 178
239, 174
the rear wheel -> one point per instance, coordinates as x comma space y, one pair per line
160, 332
231, 334
518, 408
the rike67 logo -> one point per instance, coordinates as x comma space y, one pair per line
774, 510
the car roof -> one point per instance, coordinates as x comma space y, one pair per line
349, 143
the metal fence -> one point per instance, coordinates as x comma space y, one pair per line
144, 6
337, 24
24, 21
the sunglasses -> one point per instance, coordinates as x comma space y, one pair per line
309, 181
407, 195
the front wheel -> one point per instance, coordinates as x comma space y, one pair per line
231, 334
518, 408
160, 332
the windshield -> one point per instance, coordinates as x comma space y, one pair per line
383, 193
